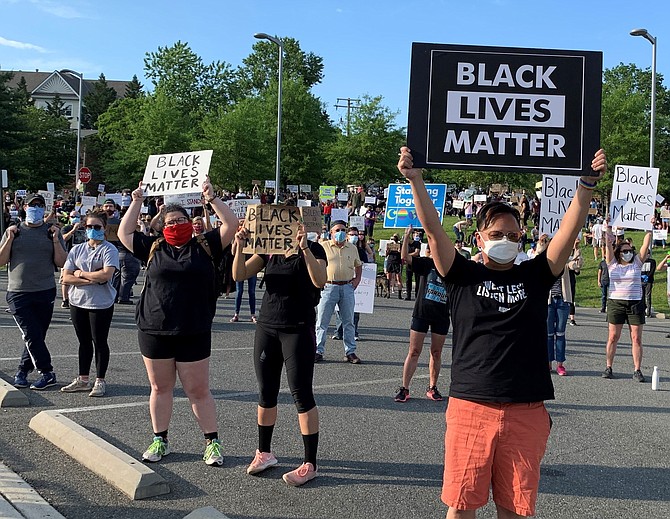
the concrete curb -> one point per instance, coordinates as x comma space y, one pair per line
207, 512
12, 397
129, 475
23, 501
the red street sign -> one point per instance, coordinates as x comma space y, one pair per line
84, 175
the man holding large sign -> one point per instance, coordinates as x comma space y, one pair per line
504, 109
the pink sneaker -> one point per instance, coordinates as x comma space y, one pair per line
304, 473
561, 371
262, 461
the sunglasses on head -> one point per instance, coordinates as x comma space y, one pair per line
96, 226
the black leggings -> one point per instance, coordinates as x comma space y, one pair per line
92, 327
295, 347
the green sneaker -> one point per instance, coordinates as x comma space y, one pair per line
158, 448
213, 455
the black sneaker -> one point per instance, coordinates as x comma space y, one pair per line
433, 394
402, 395
318, 357
638, 376
573, 322
607, 373
65, 304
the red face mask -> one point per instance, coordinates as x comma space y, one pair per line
179, 234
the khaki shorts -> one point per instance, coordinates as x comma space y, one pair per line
494, 445
620, 311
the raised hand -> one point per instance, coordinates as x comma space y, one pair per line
405, 164
138, 194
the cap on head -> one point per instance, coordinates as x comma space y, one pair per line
109, 201
338, 222
34, 198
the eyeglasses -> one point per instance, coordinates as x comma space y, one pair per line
97, 227
181, 219
338, 230
361, 234
36, 204
498, 235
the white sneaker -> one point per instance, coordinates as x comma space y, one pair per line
77, 385
99, 388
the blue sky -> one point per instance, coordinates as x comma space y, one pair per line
365, 44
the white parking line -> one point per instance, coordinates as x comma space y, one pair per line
120, 354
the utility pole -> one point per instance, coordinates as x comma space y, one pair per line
351, 104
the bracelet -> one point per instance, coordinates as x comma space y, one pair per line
210, 200
586, 185
304, 248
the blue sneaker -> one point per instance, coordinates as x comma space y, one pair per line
21, 379
47, 379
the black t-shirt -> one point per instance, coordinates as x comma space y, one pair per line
648, 270
431, 301
78, 236
290, 296
500, 331
179, 294
411, 247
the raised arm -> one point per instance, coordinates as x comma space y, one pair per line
228, 219
315, 267
645, 246
404, 247
129, 220
244, 269
561, 245
441, 247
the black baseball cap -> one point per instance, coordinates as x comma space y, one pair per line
32, 198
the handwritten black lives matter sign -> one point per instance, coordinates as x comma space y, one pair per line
504, 109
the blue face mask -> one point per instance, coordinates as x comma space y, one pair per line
74, 220
340, 236
34, 214
353, 240
92, 234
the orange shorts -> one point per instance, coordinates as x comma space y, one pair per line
494, 445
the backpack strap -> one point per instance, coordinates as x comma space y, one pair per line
154, 248
202, 241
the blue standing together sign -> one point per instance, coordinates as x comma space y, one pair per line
400, 209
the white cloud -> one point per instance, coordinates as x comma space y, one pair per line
21, 45
90, 70
58, 9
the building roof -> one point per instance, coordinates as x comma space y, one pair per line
37, 78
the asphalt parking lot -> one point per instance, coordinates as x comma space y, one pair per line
607, 455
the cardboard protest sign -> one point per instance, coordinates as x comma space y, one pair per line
51, 187
382, 247
144, 209
114, 196
239, 206
371, 200
557, 193
504, 109
327, 193
88, 203
21, 193
665, 213
342, 197
311, 218
186, 200
272, 228
339, 214
357, 221
400, 209
633, 197
48, 199
125, 201
660, 199
305, 188
364, 296
458, 204
176, 173
101, 188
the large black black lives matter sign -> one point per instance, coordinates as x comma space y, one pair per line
504, 109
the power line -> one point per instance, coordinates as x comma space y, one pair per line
351, 105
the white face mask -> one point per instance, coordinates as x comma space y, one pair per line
627, 256
501, 251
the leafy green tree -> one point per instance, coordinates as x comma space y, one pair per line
134, 88
370, 152
180, 74
12, 125
56, 108
260, 68
626, 111
25, 99
96, 102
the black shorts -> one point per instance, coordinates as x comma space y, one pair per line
620, 311
181, 348
440, 327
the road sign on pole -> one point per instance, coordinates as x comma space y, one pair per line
84, 175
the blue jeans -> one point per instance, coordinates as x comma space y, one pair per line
32, 312
130, 269
603, 296
343, 297
338, 323
251, 283
557, 318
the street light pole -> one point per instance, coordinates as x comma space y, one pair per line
278, 42
79, 96
652, 138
